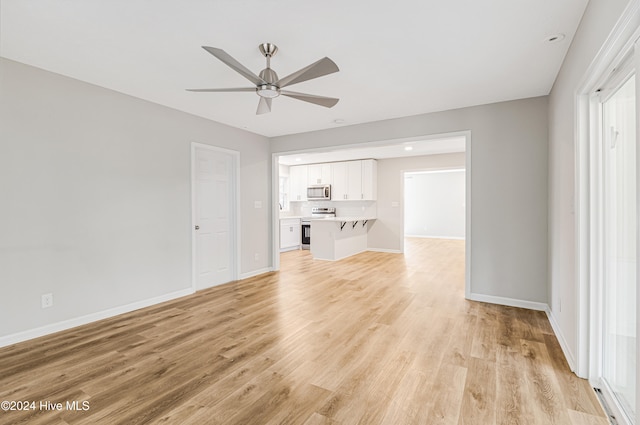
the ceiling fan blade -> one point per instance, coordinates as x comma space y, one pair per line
235, 65
327, 102
264, 106
317, 69
233, 89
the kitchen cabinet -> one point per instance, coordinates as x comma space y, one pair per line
290, 234
354, 180
318, 174
348, 180
339, 186
298, 175
369, 180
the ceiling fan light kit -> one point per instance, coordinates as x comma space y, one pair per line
267, 84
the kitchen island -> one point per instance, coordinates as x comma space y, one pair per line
339, 237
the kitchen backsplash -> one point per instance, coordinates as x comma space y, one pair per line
343, 208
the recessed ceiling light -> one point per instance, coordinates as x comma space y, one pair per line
555, 38
408, 148
298, 159
338, 121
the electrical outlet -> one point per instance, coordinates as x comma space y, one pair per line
256, 256
47, 300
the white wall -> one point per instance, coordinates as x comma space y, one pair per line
96, 200
434, 204
599, 18
509, 188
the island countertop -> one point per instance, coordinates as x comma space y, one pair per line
343, 219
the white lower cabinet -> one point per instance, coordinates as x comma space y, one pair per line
290, 234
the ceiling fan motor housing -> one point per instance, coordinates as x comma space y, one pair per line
269, 75
269, 90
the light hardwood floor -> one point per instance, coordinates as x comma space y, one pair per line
374, 339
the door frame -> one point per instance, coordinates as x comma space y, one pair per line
234, 194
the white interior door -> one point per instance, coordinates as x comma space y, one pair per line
213, 217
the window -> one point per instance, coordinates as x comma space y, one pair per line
283, 191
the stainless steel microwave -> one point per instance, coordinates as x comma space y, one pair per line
319, 191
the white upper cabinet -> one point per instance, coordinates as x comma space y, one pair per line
319, 174
339, 177
298, 181
354, 180
349, 180
369, 180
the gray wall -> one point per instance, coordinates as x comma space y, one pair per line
598, 21
509, 187
96, 199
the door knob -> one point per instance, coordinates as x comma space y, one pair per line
197, 227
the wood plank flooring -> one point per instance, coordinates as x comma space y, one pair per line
377, 338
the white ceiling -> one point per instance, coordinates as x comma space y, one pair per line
398, 58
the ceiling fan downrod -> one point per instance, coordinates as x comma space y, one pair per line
268, 50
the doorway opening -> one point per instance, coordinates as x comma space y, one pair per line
386, 234
435, 204
434, 213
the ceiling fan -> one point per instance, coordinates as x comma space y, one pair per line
268, 85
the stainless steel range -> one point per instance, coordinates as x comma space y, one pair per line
316, 212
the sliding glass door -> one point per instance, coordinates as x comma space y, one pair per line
619, 221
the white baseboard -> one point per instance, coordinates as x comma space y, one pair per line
291, 248
562, 340
511, 302
459, 238
255, 273
93, 317
390, 251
